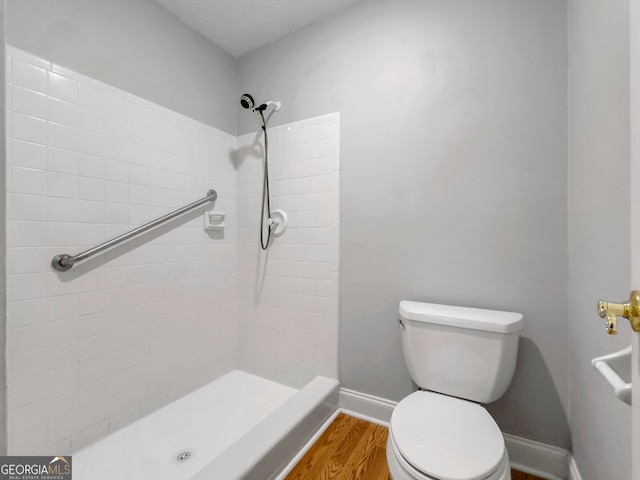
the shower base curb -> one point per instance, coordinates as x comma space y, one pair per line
269, 447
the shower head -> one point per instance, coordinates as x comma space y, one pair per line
247, 101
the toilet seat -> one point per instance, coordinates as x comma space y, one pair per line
446, 438
400, 469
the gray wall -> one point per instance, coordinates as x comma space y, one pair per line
453, 158
135, 45
599, 245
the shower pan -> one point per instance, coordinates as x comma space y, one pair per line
240, 426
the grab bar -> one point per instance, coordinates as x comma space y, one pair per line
64, 262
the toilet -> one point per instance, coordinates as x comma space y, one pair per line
460, 358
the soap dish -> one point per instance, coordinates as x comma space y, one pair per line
214, 220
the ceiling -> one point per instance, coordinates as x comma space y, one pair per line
239, 26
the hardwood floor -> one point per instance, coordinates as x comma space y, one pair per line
516, 475
352, 449
349, 449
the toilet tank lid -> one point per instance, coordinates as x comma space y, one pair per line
462, 317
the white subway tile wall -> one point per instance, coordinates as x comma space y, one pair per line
288, 296
97, 347
93, 349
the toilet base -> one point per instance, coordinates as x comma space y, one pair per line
400, 469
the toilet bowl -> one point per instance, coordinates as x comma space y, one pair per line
460, 357
436, 437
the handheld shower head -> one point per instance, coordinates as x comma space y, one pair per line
247, 101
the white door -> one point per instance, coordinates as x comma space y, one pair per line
635, 220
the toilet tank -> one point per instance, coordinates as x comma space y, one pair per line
464, 352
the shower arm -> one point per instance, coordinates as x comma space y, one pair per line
64, 262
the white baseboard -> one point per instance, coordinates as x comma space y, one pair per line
535, 458
544, 461
574, 473
367, 407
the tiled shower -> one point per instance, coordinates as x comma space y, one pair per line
119, 336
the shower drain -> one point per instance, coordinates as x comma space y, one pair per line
183, 456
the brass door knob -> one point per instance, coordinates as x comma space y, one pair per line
630, 310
